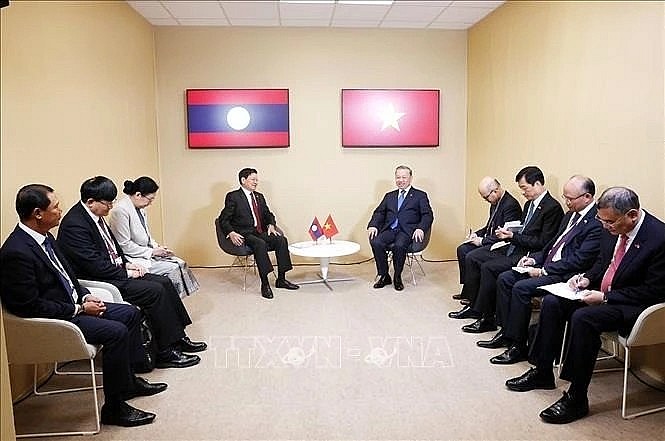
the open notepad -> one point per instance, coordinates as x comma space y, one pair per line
562, 289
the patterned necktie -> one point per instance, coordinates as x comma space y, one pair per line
400, 201
606, 284
512, 247
561, 241
113, 254
257, 214
62, 274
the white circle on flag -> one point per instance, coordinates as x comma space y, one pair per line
238, 118
314, 228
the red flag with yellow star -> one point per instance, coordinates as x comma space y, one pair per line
329, 227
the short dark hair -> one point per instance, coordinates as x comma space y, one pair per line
621, 199
404, 167
245, 172
99, 188
30, 197
144, 185
588, 186
531, 174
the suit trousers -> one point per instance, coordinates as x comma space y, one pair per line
400, 242
482, 269
513, 305
159, 300
261, 243
119, 332
586, 325
462, 251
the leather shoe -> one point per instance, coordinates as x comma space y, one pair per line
283, 283
496, 342
176, 359
122, 414
566, 410
457, 296
465, 302
143, 388
464, 313
483, 324
512, 355
266, 292
530, 380
187, 345
399, 286
383, 281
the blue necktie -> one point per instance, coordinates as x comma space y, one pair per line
529, 215
400, 201
61, 271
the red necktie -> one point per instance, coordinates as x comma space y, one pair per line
257, 214
605, 285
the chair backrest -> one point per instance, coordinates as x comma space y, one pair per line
227, 246
648, 329
40, 340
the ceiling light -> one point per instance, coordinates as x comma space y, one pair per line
365, 2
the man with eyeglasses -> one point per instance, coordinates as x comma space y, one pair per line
540, 221
628, 276
572, 251
503, 208
95, 254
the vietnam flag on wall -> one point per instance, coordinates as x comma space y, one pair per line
233, 118
390, 118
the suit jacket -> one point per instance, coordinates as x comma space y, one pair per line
541, 228
29, 283
82, 243
134, 239
640, 278
506, 210
237, 213
580, 250
414, 213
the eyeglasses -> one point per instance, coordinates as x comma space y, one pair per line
608, 223
108, 204
150, 198
486, 197
572, 199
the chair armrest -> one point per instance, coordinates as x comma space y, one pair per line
105, 291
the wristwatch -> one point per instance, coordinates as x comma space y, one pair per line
604, 298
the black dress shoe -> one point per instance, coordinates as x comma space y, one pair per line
383, 281
496, 342
399, 286
457, 296
465, 301
144, 389
464, 313
483, 324
283, 283
512, 355
187, 345
122, 414
566, 410
266, 292
530, 380
176, 359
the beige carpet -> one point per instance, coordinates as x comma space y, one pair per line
353, 363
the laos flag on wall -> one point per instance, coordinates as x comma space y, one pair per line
390, 118
237, 118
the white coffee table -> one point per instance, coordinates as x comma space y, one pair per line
324, 250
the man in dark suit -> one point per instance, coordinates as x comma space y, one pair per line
95, 254
36, 281
627, 277
572, 251
540, 221
503, 208
402, 217
246, 219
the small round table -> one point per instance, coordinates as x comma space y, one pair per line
324, 251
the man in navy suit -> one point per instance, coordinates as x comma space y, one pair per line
403, 216
572, 251
36, 280
95, 254
246, 219
627, 277
503, 208
540, 221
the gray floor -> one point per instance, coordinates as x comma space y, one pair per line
353, 363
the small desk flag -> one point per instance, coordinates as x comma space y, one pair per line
329, 228
315, 230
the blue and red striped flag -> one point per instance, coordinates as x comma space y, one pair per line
315, 230
228, 118
390, 118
